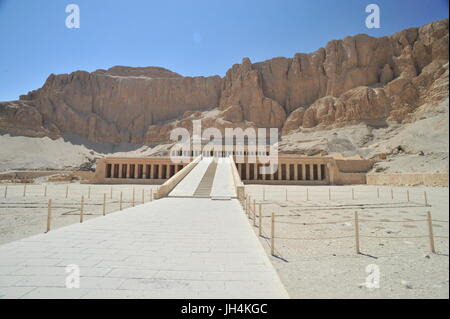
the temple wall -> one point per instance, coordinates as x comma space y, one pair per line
429, 179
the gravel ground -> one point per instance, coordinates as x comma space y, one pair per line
330, 268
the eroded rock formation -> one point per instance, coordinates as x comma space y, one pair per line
359, 78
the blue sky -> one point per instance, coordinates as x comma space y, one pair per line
191, 37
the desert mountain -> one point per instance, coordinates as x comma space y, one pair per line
360, 80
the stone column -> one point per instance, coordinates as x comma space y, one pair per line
303, 172
288, 171
128, 170
296, 171
247, 171
160, 168
319, 172
152, 170
168, 171
280, 172
255, 171
311, 172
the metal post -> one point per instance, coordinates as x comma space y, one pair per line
353, 193
425, 197
143, 197
286, 194
6, 190
329, 193
67, 190
407, 195
307, 193
89, 192
120, 201
392, 193
378, 193
24, 189
110, 193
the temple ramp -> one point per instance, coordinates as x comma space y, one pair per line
204, 188
223, 185
189, 184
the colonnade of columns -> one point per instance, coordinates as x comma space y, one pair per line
213, 153
293, 171
142, 171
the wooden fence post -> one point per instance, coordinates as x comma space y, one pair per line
254, 213
143, 197
67, 190
120, 201
307, 193
89, 192
272, 236
49, 215
392, 193
430, 232
246, 205
82, 208
24, 189
378, 192
425, 197
329, 193
249, 208
104, 204
353, 193
45, 191
357, 232
407, 195
286, 195
132, 201
110, 193
260, 220
6, 190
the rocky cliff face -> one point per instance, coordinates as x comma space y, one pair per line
359, 78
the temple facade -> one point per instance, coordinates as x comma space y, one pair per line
295, 170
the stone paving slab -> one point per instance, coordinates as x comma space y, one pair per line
169, 248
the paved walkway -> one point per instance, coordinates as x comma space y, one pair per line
169, 248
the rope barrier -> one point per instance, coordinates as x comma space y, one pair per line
394, 237
320, 223
320, 238
393, 221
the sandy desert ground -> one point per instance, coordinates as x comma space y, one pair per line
23, 216
330, 268
310, 267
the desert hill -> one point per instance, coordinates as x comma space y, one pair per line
360, 95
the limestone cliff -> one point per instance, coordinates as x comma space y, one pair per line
359, 78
